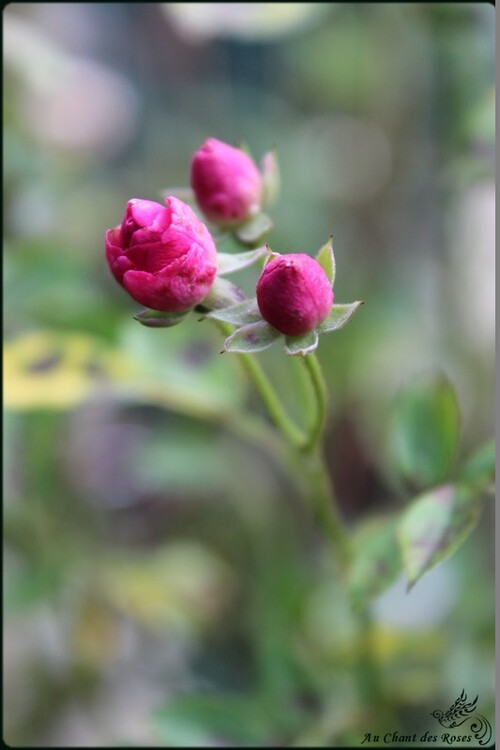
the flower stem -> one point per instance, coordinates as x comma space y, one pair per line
318, 484
367, 669
326, 510
319, 386
294, 434
325, 507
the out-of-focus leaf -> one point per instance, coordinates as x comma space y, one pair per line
479, 470
425, 430
326, 259
230, 262
301, 345
377, 563
212, 720
480, 122
254, 229
252, 338
52, 370
434, 526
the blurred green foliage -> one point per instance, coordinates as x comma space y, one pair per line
164, 579
424, 431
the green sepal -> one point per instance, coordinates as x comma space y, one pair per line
159, 319
338, 316
222, 294
254, 337
254, 229
434, 526
241, 314
326, 259
271, 255
243, 146
230, 262
270, 178
301, 345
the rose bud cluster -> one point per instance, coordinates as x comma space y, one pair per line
164, 256
294, 294
166, 259
226, 182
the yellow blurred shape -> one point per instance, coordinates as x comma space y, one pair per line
184, 586
391, 643
46, 369
96, 632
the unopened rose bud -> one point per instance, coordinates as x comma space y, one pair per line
294, 294
163, 256
226, 182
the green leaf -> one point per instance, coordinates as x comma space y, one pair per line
301, 345
254, 229
338, 316
222, 294
434, 526
252, 338
376, 565
205, 720
230, 262
158, 319
479, 470
424, 431
270, 178
241, 314
326, 259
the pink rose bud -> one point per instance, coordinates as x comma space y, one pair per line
294, 294
162, 255
226, 183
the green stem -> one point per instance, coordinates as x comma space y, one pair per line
367, 668
319, 485
262, 384
319, 386
325, 507
326, 510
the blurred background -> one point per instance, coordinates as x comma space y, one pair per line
164, 583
